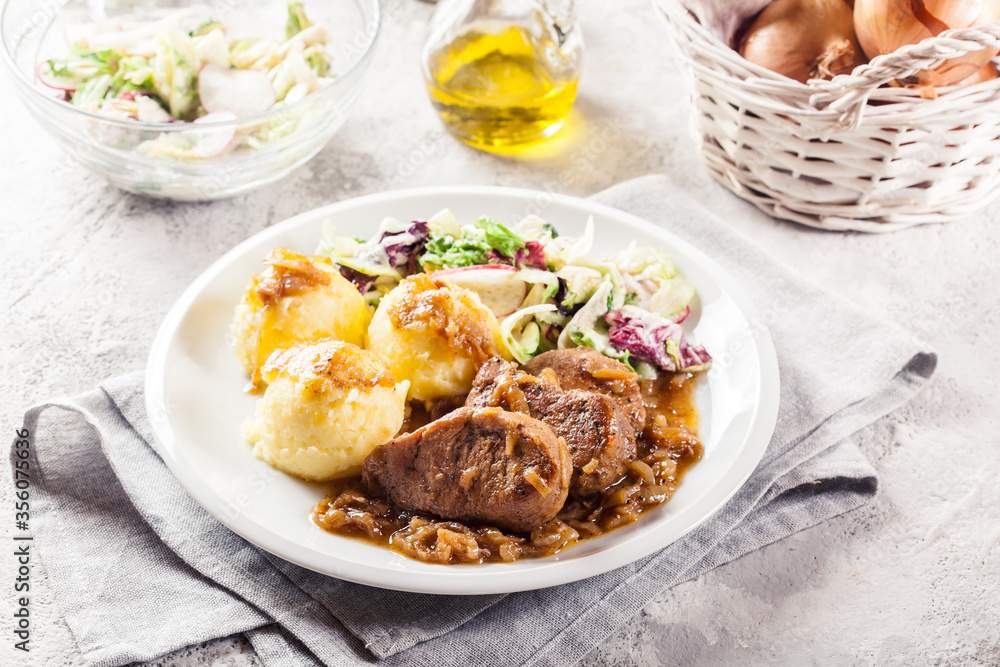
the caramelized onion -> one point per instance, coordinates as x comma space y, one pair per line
804, 39
885, 25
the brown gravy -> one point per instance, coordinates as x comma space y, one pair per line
668, 446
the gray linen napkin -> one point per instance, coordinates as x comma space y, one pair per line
140, 569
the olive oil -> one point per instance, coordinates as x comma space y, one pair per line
502, 90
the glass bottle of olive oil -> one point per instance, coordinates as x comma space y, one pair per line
503, 74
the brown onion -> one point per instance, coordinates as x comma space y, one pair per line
804, 39
885, 25
724, 18
987, 73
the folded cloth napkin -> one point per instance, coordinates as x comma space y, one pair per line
139, 569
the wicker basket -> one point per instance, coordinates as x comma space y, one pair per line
845, 154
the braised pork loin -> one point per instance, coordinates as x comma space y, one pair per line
600, 438
477, 464
587, 369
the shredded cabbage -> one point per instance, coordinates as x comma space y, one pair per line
523, 343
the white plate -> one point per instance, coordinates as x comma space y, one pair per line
197, 408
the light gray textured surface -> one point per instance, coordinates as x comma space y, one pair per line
913, 578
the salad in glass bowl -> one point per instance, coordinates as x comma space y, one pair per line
189, 101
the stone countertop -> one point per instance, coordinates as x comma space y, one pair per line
912, 578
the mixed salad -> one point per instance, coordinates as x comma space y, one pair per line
189, 68
546, 289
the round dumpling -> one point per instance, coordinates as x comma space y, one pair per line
296, 299
327, 405
434, 334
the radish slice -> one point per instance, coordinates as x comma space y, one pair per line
149, 110
65, 83
478, 267
238, 91
200, 142
211, 141
498, 285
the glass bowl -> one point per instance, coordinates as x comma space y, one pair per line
252, 150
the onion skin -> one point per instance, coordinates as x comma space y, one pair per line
724, 18
883, 26
987, 73
804, 39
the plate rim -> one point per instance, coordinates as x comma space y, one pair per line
763, 420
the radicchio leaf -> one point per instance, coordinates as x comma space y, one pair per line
495, 257
362, 281
560, 296
404, 247
656, 340
532, 256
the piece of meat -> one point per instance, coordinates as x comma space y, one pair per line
587, 369
476, 464
600, 438
440, 407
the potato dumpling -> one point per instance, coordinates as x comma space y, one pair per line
327, 405
296, 299
434, 334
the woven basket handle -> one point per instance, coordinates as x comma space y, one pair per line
849, 93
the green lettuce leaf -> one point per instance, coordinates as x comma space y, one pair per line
499, 237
